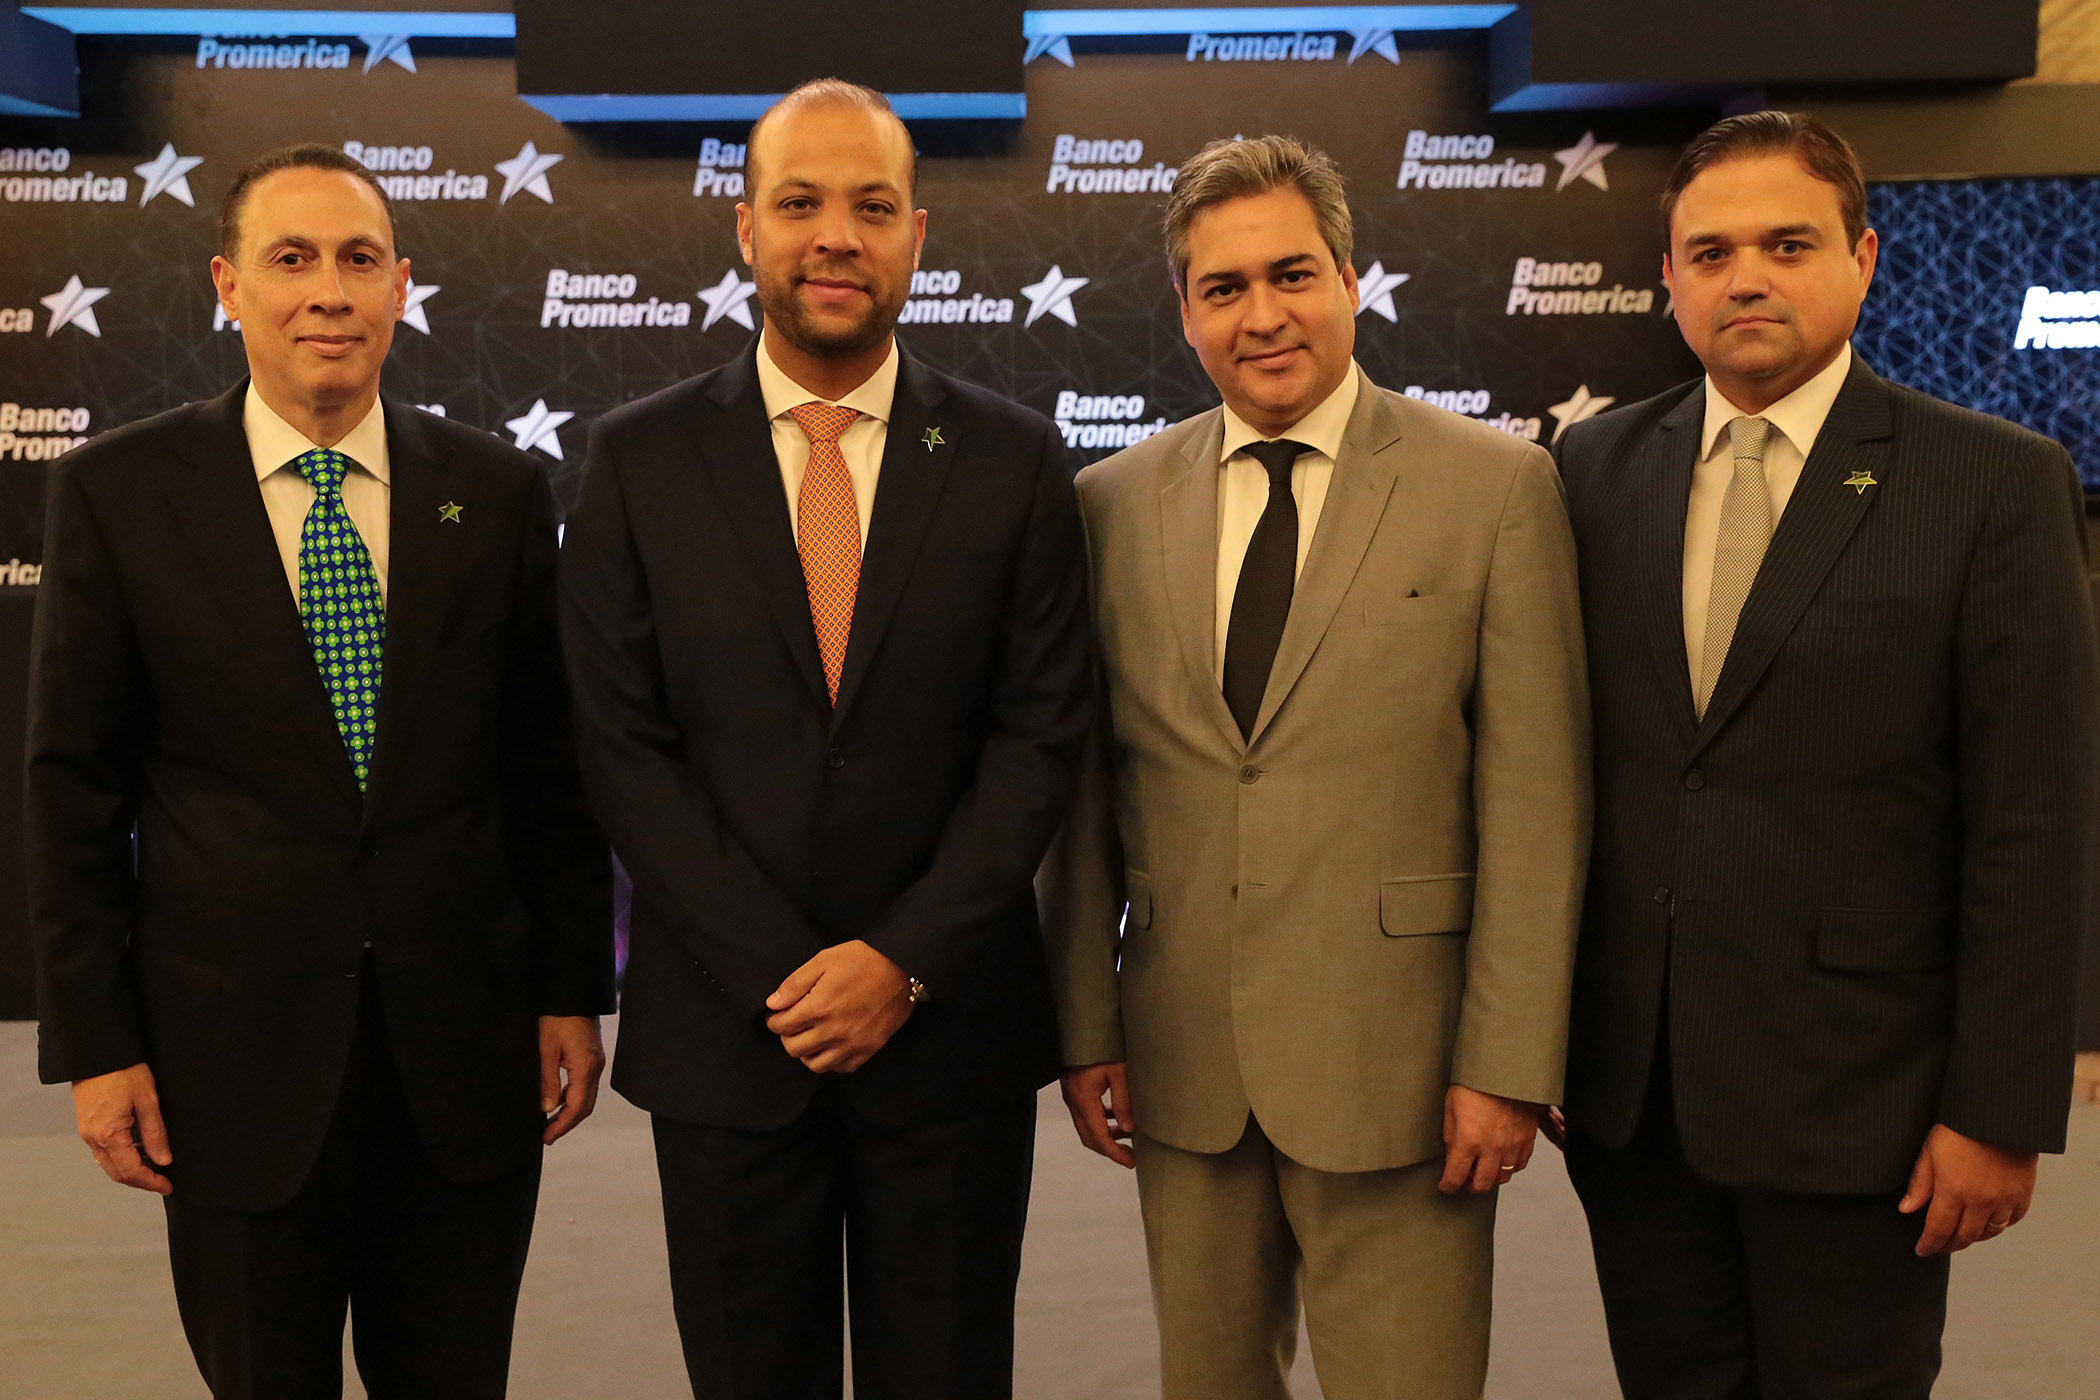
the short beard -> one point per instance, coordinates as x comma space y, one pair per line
786, 316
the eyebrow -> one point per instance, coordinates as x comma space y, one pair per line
1707, 240
302, 242
872, 187
1282, 264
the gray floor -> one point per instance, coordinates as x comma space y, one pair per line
86, 1312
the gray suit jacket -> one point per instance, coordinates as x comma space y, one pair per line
1377, 897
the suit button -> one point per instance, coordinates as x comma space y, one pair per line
368, 849
1250, 774
1662, 894
1694, 780
834, 759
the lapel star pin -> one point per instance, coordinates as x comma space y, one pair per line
449, 511
933, 439
1860, 481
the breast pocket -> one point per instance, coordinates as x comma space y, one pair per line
1384, 609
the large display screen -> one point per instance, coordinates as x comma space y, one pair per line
1988, 294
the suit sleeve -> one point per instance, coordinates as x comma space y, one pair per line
2025, 681
744, 931
86, 726
1080, 892
558, 860
994, 839
1532, 799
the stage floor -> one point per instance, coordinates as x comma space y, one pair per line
86, 1309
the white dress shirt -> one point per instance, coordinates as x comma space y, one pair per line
1796, 420
861, 444
273, 443
1244, 493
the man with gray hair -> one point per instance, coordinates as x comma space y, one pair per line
1312, 920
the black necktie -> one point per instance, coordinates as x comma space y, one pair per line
1262, 601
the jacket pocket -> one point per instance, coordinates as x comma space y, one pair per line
1387, 609
1138, 892
1884, 940
1426, 904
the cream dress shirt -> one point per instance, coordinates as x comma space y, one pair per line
1244, 492
861, 444
1796, 420
273, 443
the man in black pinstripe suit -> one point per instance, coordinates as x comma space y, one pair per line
1843, 668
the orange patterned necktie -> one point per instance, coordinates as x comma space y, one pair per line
827, 533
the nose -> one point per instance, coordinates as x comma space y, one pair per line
1264, 315
1750, 278
836, 232
329, 295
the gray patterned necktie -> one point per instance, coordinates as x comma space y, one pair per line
1746, 528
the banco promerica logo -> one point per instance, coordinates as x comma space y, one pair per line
1111, 165
74, 305
1375, 288
41, 175
408, 173
246, 51
589, 300
1473, 404
1570, 289
387, 48
1584, 161
1103, 420
720, 171
729, 300
29, 434
527, 172
414, 312
1301, 47
535, 428
2058, 321
167, 173
1053, 297
937, 299
1463, 161
1578, 407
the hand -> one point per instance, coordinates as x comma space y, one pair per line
2085, 1078
1106, 1132
836, 1010
1977, 1191
1487, 1139
118, 1115
1555, 1126
571, 1045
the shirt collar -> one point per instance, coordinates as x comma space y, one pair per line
1799, 415
273, 443
1321, 429
873, 398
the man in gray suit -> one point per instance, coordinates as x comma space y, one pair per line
1312, 921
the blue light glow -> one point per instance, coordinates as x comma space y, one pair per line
417, 24
1273, 19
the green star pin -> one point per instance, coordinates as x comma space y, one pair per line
450, 511
1860, 481
933, 439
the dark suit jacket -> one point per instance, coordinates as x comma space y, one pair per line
1863, 873
174, 695
760, 824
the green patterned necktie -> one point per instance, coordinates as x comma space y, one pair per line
339, 597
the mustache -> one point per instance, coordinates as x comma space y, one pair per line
832, 272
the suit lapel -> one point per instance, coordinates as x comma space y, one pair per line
734, 439
424, 550
1661, 487
220, 507
1188, 510
1356, 499
906, 491
1819, 519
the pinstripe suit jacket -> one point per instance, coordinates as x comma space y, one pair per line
1859, 881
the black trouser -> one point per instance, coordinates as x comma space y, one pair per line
930, 1219
1724, 1293
427, 1268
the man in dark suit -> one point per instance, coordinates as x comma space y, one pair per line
322, 922
832, 772
1843, 669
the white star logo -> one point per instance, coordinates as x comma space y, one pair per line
379, 47
1584, 161
1053, 297
1581, 404
1375, 291
527, 171
1378, 41
168, 174
1056, 46
729, 299
74, 305
536, 429
413, 313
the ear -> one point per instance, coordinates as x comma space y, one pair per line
401, 281
1349, 284
227, 283
918, 236
744, 223
1181, 296
1669, 273
1867, 254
